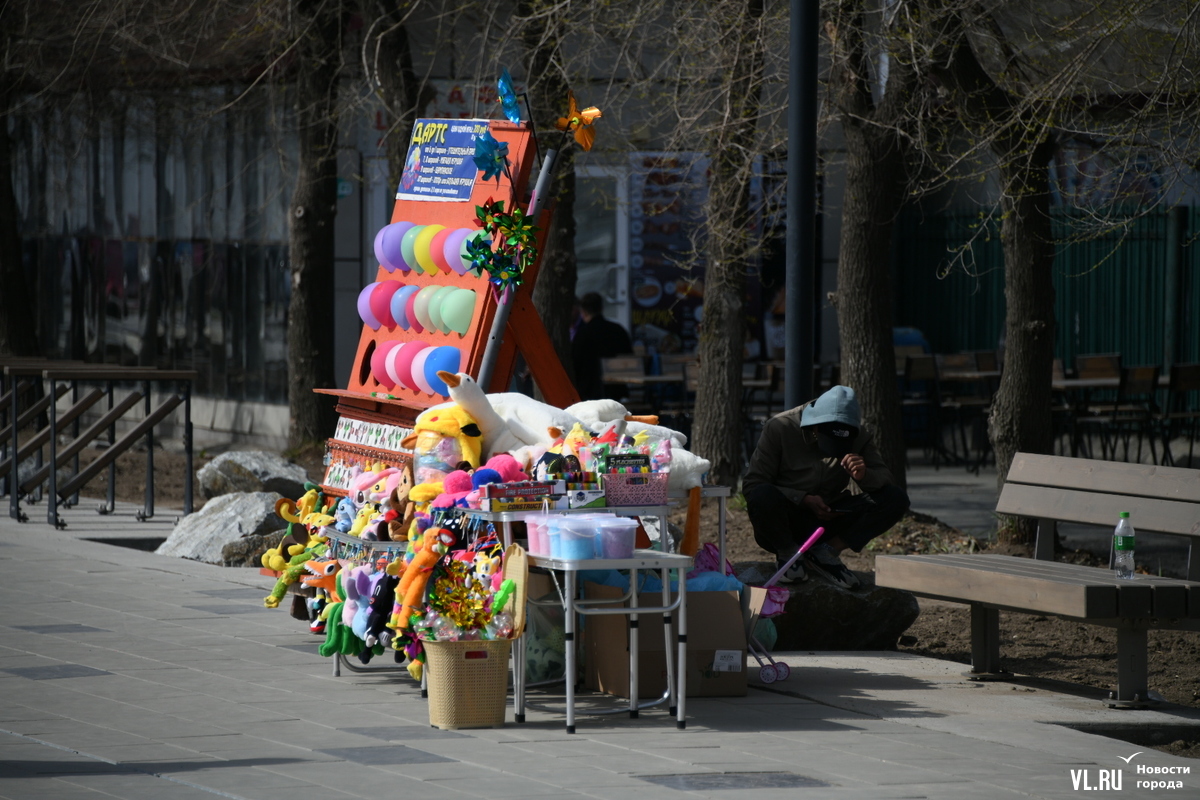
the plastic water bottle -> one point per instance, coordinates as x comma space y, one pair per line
1122, 562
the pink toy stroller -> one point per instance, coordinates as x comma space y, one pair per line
765, 607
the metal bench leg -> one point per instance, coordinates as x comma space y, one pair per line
985, 644
1132, 667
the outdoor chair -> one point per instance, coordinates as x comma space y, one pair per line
1131, 412
1181, 416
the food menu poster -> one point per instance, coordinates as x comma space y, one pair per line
440, 164
667, 195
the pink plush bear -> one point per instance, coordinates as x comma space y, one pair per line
508, 467
455, 486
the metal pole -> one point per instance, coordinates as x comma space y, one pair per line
801, 202
541, 190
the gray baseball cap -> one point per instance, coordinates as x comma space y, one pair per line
839, 405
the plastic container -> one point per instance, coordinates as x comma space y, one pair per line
617, 538
578, 539
1122, 558
554, 536
468, 683
539, 542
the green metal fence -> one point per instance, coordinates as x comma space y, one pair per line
1134, 291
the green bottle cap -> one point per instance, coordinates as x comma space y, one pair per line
1124, 515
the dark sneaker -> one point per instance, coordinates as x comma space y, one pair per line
795, 573
824, 560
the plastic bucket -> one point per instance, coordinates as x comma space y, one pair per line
578, 539
617, 538
539, 542
554, 536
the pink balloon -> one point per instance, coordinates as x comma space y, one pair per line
388, 246
403, 362
381, 302
451, 250
418, 370
389, 363
410, 311
379, 363
437, 249
364, 307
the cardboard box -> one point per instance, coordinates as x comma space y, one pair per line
586, 498
551, 502
716, 648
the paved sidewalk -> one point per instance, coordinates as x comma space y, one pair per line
135, 676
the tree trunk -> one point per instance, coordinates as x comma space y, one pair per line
546, 84
18, 331
311, 222
1020, 421
717, 428
874, 193
876, 184
404, 96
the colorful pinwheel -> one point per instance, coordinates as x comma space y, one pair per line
515, 239
579, 122
508, 97
491, 156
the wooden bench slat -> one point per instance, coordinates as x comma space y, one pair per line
1107, 477
961, 582
1091, 508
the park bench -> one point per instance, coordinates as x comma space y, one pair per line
1053, 489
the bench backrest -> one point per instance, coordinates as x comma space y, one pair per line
1158, 499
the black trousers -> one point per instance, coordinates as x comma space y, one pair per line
781, 526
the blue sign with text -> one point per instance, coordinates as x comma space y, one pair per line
440, 163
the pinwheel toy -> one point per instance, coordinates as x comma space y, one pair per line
508, 97
491, 156
579, 122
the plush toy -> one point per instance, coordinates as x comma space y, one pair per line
508, 468
369, 487
363, 518
443, 437
455, 487
344, 514
278, 558
411, 590
480, 478
380, 610
323, 575
499, 435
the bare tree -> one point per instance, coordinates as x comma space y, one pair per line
316, 33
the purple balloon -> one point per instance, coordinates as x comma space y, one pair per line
452, 249
442, 359
400, 305
387, 247
364, 307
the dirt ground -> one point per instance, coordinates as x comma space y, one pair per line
1072, 657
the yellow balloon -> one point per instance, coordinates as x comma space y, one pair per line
421, 248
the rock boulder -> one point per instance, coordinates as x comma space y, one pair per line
251, 471
203, 535
248, 550
822, 616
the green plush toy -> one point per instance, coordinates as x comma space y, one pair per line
339, 637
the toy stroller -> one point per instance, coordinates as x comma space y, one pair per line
772, 670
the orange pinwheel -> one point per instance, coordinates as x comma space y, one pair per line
579, 122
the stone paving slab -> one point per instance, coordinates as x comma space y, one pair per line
198, 692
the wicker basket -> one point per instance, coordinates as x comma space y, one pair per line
636, 489
468, 683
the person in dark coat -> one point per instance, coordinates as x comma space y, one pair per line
595, 338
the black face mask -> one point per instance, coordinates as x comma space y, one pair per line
835, 441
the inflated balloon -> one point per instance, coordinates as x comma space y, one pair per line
418, 370
453, 248
400, 305
403, 362
364, 307
379, 363
421, 248
437, 249
407, 244
435, 307
410, 311
421, 306
389, 364
444, 359
381, 302
458, 309
387, 246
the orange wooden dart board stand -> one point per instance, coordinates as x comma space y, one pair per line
427, 310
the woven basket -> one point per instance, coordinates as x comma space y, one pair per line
468, 683
636, 489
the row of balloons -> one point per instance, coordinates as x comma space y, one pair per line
387, 304
406, 246
414, 365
